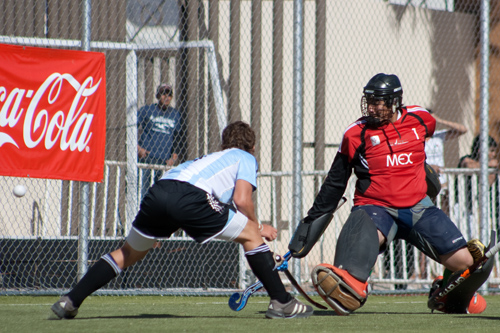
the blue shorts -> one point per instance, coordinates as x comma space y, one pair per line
424, 226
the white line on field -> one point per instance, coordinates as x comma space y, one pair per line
26, 304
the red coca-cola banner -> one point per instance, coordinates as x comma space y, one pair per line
52, 113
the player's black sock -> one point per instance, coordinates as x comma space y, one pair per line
97, 276
262, 263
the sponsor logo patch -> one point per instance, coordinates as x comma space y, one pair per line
375, 140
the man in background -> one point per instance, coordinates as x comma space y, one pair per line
160, 127
434, 145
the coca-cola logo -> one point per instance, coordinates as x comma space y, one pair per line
66, 129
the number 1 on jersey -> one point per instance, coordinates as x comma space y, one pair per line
416, 134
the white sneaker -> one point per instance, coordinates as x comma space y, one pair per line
64, 308
292, 309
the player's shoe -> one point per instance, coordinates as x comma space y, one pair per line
477, 304
64, 308
292, 309
476, 249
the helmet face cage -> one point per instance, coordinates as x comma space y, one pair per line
393, 102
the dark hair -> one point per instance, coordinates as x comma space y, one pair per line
238, 135
476, 146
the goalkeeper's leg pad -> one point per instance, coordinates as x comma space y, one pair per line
339, 289
461, 298
357, 245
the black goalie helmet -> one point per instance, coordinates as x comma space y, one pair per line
386, 87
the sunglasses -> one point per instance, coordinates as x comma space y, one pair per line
166, 92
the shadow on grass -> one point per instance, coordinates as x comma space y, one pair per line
157, 316
141, 316
479, 317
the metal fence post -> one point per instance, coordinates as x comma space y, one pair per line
298, 35
484, 119
484, 124
131, 138
83, 227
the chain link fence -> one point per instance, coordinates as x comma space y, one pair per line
178, 71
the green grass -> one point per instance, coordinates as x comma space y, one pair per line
212, 314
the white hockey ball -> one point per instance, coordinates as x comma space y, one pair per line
19, 191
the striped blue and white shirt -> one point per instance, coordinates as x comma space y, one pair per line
218, 172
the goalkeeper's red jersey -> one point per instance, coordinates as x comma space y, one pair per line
389, 161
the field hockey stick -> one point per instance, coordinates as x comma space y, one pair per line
237, 302
465, 275
284, 268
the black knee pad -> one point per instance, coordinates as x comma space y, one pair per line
357, 246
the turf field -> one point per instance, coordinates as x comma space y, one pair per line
212, 314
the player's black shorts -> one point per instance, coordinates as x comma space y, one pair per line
170, 205
425, 226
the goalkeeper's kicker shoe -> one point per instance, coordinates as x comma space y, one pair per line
64, 308
476, 249
292, 309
